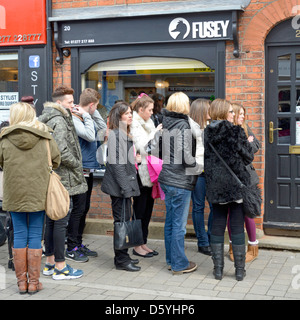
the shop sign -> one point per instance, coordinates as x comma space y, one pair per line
22, 22
8, 98
168, 28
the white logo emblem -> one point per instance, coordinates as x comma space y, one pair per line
179, 28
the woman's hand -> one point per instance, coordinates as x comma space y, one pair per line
138, 158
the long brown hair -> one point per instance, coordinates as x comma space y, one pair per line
237, 108
219, 109
115, 115
199, 111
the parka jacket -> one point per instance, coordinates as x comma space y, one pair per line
232, 144
60, 120
24, 159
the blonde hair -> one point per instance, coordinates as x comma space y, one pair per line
22, 113
237, 108
219, 109
179, 102
199, 111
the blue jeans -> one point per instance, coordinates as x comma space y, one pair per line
198, 198
28, 229
177, 202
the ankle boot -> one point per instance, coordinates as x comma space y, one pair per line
34, 258
217, 250
239, 261
20, 263
252, 252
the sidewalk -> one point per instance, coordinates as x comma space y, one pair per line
274, 275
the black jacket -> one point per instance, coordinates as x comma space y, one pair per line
120, 178
231, 143
178, 151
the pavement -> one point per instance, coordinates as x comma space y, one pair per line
274, 275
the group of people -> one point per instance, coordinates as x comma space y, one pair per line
178, 136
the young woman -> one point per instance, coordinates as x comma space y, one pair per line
239, 120
198, 121
222, 190
177, 179
142, 130
120, 180
24, 159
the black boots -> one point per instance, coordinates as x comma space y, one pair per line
217, 250
239, 254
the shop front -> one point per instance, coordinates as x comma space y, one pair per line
23, 54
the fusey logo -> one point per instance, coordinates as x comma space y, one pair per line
2, 18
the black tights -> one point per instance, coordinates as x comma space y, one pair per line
236, 220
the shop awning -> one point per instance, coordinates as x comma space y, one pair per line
147, 9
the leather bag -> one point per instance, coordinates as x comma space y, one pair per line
127, 234
251, 194
57, 199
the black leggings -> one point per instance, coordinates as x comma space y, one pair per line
236, 220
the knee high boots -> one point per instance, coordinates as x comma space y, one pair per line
239, 255
34, 268
20, 263
27, 264
217, 250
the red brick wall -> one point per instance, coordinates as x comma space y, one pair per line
245, 78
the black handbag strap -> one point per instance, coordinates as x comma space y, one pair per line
227, 166
132, 214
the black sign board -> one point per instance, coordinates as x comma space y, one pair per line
146, 29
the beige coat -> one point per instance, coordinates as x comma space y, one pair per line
24, 159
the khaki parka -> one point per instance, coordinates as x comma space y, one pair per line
24, 160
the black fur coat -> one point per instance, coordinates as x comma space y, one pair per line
231, 143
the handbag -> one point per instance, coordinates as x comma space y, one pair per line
57, 198
127, 234
251, 194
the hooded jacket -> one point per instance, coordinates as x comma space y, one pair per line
60, 121
179, 166
24, 159
232, 144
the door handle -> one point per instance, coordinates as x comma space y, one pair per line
271, 131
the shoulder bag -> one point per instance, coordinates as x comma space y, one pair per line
127, 234
57, 199
251, 194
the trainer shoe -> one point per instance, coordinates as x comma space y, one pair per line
48, 269
76, 255
191, 267
86, 251
67, 273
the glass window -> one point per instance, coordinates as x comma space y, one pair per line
9, 87
125, 79
284, 100
284, 135
284, 67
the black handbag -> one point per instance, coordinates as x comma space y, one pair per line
251, 194
127, 234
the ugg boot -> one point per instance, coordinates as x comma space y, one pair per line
230, 252
34, 258
239, 261
20, 263
217, 250
252, 252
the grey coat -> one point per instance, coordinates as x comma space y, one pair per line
60, 120
120, 178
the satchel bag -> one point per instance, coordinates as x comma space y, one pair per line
127, 234
57, 199
251, 194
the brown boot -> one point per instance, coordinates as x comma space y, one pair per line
34, 258
252, 252
230, 252
20, 262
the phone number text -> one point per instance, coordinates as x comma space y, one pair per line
20, 37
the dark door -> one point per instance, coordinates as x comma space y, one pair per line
282, 180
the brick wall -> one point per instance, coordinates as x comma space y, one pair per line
245, 78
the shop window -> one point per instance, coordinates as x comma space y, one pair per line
8, 83
125, 79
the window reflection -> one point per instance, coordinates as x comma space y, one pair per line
284, 135
284, 97
284, 67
